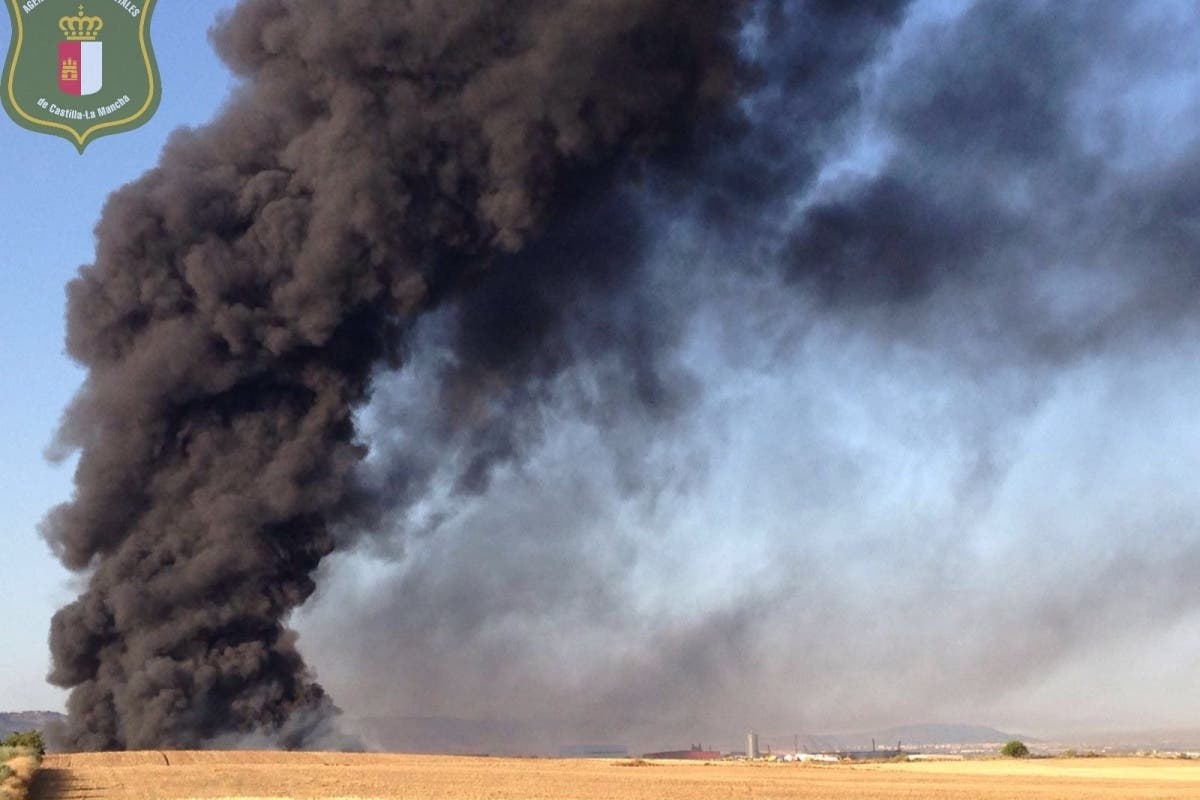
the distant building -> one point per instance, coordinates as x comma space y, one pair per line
695, 753
752, 745
821, 758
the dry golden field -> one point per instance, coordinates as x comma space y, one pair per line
178, 775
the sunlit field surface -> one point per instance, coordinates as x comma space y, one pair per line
179, 775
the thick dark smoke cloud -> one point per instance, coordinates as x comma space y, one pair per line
656, 371
1005, 161
377, 163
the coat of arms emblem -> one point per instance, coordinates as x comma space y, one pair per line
80, 70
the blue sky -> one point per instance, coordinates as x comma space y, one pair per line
52, 200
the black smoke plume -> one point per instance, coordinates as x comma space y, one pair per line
648, 368
380, 160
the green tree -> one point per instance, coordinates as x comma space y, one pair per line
29, 740
1015, 749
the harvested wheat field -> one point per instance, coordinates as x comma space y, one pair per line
178, 775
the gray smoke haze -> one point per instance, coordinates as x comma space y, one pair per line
927, 314
645, 371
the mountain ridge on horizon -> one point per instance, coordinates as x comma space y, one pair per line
21, 721
906, 736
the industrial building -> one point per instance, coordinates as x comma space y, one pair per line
695, 753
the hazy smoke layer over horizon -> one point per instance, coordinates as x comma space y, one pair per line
931, 315
647, 371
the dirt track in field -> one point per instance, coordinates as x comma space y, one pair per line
180, 775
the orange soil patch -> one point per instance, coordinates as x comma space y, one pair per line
185, 775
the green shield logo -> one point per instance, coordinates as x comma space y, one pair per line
80, 70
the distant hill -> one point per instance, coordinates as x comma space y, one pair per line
20, 721
910, 736
1132, 741
945, 734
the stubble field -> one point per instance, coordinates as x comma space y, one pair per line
179, 775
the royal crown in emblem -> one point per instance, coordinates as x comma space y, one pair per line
81, 28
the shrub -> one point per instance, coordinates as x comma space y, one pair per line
29, 740
1015, 749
